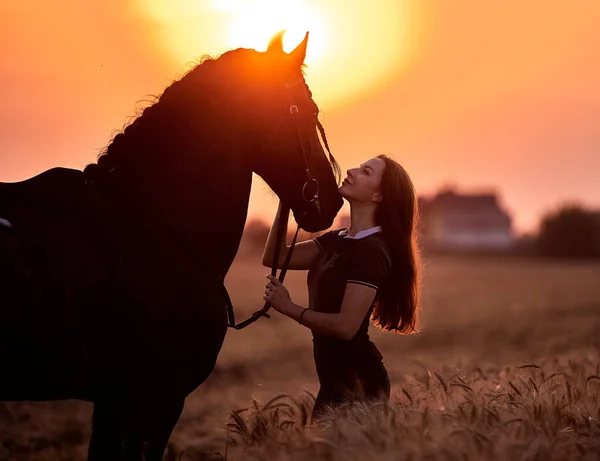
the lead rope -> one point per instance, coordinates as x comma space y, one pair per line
288, 257
267, 306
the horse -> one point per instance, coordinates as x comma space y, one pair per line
111, 276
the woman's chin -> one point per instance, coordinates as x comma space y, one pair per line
343, 191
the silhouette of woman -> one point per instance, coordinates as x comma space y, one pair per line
369, 271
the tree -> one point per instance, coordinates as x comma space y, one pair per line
570, 232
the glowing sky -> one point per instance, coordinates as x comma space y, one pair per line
377, 33
483, 95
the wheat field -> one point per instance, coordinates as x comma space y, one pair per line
506, 367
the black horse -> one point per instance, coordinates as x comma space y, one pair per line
110, 277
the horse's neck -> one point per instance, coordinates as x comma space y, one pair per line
203, 205
213, 211
220, 224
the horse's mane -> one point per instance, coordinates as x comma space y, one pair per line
155, 129
165, 126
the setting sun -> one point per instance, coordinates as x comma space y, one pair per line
254, 25
352, 48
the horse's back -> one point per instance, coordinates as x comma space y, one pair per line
53, 188
58, 222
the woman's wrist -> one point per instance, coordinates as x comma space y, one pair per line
294, 311
301, 315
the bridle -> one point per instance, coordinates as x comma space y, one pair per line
307, 196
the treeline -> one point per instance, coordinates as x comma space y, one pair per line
572, 231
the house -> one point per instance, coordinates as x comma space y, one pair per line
454, 221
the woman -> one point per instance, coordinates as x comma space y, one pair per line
368, 271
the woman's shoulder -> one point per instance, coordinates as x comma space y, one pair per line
327, 240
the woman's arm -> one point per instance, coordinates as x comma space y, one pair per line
304, 252
355, 306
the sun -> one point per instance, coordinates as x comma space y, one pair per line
254, 23
353, 47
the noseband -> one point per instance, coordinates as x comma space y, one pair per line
307, 196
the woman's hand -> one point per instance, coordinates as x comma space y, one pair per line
277, 296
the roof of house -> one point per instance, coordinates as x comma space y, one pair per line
471, 203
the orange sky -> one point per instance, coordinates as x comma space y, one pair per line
490, 95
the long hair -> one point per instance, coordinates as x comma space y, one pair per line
161, 127
398, 214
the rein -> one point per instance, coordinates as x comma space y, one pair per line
265, 309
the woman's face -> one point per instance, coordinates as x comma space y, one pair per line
363, 184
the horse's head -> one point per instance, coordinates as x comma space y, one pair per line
245, 108
288, 152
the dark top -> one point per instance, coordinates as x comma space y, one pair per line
343, 260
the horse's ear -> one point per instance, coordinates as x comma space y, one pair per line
276, 43
299, 54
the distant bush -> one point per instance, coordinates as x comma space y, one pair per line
570, 232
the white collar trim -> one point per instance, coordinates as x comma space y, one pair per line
361, 234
